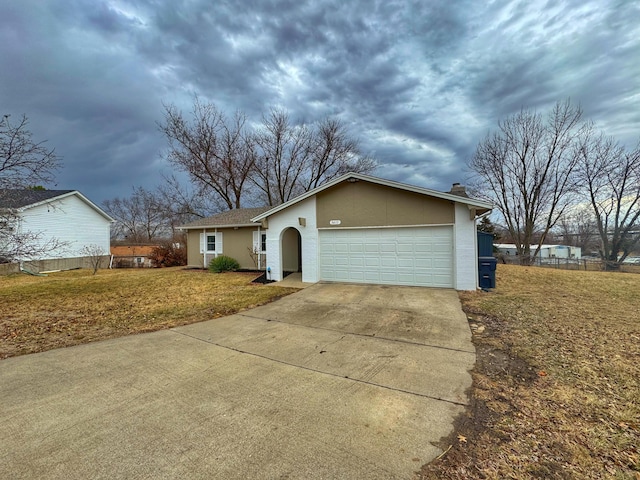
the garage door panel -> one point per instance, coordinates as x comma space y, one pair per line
389, 262
372, 262
372, 248
397, 256
388, 248
356, 262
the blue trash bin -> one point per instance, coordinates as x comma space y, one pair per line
487, 272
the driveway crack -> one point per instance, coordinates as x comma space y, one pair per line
347, 377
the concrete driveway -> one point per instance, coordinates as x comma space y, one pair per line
336, 381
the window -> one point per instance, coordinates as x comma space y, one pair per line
263, 243
211, 243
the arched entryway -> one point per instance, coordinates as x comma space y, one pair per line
291, 248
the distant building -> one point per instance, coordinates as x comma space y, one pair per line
546, 251
132, 256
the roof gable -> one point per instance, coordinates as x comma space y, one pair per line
23, 199
472, 203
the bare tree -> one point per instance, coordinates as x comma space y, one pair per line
335, 154
139, 217
283, 158
610, 175
294, 158
213, 150
23, 165
526, 169
95, 256
23, 162
578, 227
180, 204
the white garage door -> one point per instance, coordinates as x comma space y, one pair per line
394, 256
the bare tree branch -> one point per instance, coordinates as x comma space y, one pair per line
292, 159
526, 168
610, 179
213, 150
139, 218
23, 164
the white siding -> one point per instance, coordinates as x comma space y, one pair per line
284, 219
465, 250
68, 220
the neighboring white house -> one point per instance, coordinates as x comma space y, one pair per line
64, 215
546, 251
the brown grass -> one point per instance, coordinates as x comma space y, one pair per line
68, 308
556, 389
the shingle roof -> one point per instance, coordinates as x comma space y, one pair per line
132, 250
232, 218
18, 198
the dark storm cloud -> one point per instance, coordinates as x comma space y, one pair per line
420, 83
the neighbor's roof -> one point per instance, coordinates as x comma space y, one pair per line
14, 198
240, 217
482, 206
132, 250
22, 199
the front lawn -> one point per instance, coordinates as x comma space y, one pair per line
556, 390
68, 308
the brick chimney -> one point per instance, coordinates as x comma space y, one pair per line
457, 189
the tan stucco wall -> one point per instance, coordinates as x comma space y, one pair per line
364, 204
235, 244
194, 257
290, 259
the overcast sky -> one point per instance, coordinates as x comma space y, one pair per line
420, 83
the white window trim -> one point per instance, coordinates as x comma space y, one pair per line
204, 251
257, 245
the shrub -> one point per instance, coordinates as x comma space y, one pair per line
169, 254
223, 264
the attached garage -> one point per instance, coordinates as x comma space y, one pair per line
364, 229
420, 256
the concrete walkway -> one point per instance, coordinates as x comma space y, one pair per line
335, 382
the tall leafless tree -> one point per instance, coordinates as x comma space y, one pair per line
294, 158
24, 163
213, 150
180, 204
283, 153
138, 217
577, 227
610, 176
526, 169
335, 153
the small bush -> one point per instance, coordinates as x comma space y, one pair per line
169, 254
223, 264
